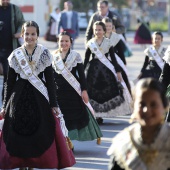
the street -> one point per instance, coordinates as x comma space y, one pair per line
89, 155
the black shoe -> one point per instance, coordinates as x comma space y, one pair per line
99, 120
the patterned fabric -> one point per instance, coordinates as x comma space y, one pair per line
131, 154
71, 61
38, 63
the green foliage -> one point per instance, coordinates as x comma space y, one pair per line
159, 26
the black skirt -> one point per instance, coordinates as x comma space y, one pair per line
71, 104
103, 87
29, 121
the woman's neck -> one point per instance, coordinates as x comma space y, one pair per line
108, 34
157, 46
64, 53
29, 48
149, 133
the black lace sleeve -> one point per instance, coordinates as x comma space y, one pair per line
9, 85
113, 164
113, 58
145, 64
82, 80
87, 57
49, 77
165, 78
120, 52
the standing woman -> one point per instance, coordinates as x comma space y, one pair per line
153, 64
115, 42
143, 34
104, 76
31, 135
72, 92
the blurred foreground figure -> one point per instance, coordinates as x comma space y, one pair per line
145, 145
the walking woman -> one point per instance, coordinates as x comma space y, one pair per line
104, 77
31, 135
72, 92
115, 42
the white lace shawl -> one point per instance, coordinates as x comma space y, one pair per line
104, 47
114, 38
160, 51
72, 60
40, 60
167, 56
127, 156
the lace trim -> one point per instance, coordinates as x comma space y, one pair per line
38, 64
167, 56
72, 60
115, 38
160, 51
104, 47
127, 156
114, 107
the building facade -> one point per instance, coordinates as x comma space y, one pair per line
37, 10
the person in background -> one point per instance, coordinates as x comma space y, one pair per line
103, 11
115, 42
11, 19
53, 24
69, 20
31, 135
143, 33
165, 78
145, 145
153, 63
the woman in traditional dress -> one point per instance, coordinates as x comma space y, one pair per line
31, 135
145, 145
165, 78
115, 42
104, 77
143, 34
153, 63
72, 94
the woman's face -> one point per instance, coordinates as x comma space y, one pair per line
64, 42
30, 36
98, 31
109, 27
156, 40
148, 107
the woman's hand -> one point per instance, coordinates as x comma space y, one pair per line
119, 76
84, 96
55, 111
2, 114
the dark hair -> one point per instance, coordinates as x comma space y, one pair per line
101, 24
153, 84
107, 19
66, 33
157, 33
103, 2
30, 24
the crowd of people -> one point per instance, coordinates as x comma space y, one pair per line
50, 99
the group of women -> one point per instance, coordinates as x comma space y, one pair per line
43, 86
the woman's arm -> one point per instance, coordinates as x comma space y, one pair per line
49, 77
9, 85
113, 59
87, 57
145, 64
165, 78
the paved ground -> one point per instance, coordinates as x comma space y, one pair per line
89, 155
